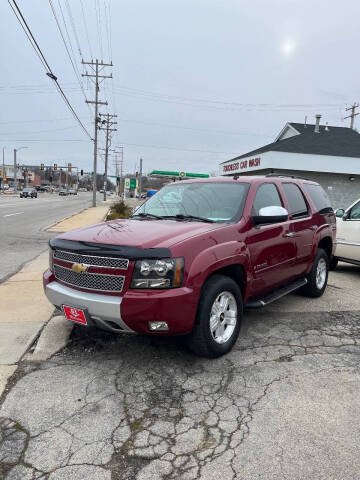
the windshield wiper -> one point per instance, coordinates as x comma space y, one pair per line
146, 215
181, 216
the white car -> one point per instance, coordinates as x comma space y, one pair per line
348, 235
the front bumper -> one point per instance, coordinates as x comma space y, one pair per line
104, 310
131, 312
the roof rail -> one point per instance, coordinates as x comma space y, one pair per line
282, 175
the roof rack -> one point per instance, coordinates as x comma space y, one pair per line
282, 175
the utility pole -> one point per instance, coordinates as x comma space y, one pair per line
97, 67
352, 115
15, 172
140, 178
3, 170
108, 131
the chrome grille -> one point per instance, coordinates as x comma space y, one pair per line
109, 262
90, 281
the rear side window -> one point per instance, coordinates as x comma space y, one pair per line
319, 197
267, 195
297, 204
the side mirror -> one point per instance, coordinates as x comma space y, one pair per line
272, 214
340, 212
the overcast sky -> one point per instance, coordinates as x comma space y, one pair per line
196, 82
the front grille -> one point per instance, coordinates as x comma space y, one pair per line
90, 281
109, 262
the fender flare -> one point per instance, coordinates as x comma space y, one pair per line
214, 258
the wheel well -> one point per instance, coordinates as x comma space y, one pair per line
326, 244
236, 272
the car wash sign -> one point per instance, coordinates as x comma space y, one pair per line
239, 166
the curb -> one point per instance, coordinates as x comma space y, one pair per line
45, 229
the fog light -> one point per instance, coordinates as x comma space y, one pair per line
158, 326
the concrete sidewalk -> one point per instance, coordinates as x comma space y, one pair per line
23, 305
87, 217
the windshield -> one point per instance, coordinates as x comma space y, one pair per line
217, 202
27, 190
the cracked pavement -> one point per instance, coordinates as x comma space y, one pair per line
283, 404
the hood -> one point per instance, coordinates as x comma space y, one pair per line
140, 233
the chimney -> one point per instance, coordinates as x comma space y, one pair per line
317, 125
326, 127
305, 121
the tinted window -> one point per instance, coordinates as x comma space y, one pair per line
297, 204
355, 212
319, 197
266, 196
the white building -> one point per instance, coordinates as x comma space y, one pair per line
329, 155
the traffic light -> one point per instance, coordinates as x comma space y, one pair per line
41, 166
137, 174
55, 166
69, 167
51, 178
81, 172
117, 180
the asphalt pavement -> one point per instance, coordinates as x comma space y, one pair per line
283, 404
22, 221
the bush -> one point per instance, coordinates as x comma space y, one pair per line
119, 210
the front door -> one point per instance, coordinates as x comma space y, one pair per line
271, 247
348, 234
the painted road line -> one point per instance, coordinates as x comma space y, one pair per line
11, 214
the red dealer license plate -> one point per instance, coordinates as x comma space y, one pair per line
75, 314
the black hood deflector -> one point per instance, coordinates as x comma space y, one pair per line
105, 250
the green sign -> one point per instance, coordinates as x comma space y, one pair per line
180, 174
132, 182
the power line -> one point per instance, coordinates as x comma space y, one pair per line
76, 71
136, 91
73, 27
49, 72
86, 29
98, 24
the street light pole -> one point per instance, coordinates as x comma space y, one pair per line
15, 167
15, 172
3, 170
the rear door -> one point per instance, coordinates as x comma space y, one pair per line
271, 247
348, 234
302, 225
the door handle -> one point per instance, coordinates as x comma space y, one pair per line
289, 234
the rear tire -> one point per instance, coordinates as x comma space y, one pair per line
218, 319
333, 263
317, 278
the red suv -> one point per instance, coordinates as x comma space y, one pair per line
193, 256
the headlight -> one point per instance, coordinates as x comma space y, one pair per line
165, 273
51, 263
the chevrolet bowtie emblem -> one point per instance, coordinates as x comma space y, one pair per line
79, 268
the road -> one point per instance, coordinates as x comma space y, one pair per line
22, 221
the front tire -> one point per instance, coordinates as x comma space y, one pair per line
218, 319
318, 276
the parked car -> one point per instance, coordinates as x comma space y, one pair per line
72, 191
28, 192
193, 256
63, 192
348, 235
40, 188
